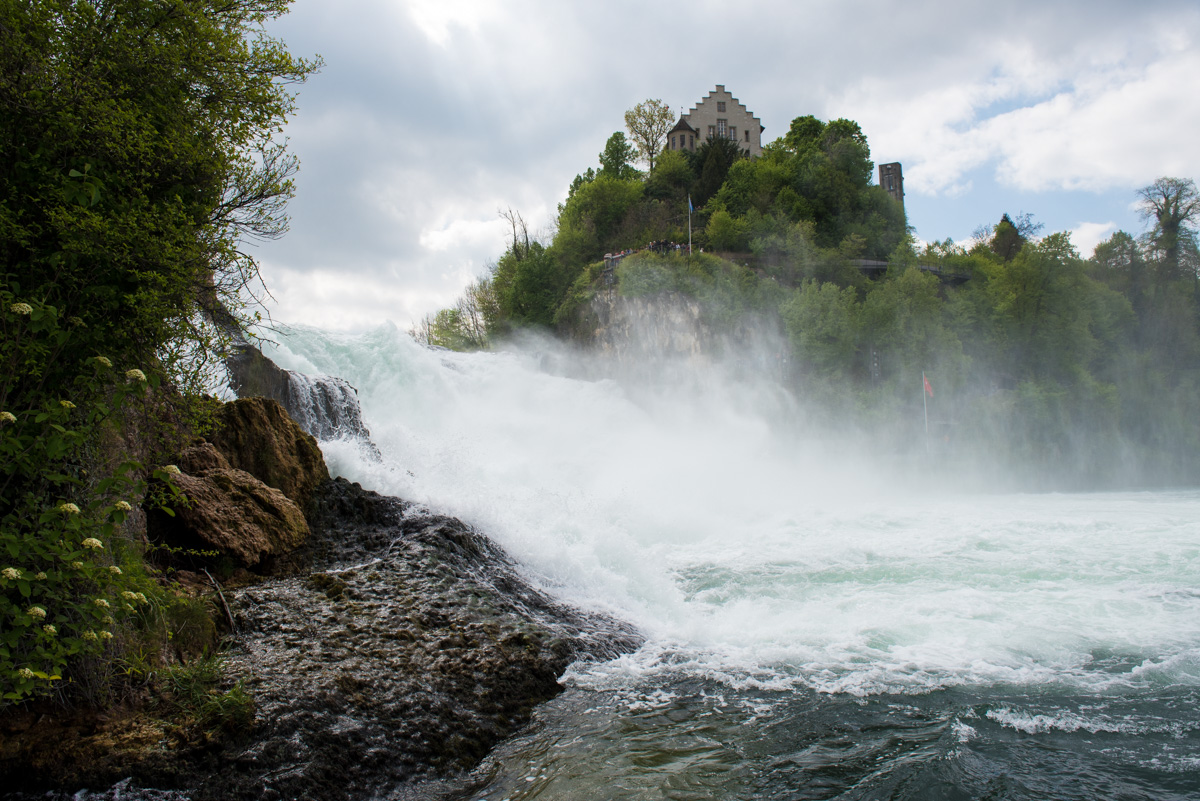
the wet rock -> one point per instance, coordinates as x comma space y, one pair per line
414, 647
258, 436
408, 649
325, 406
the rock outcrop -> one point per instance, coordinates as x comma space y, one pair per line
257, 435
245, 491
325, 406
231, 511
412, 649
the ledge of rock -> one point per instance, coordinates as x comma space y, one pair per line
257, 435
412, 649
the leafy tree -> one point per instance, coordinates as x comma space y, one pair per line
648, 123
711, 161
822, 322
1119, 264
672, 177
1174, 205
616, 158
139, 152
1006, 242
723, 232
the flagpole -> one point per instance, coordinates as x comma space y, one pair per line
925, 401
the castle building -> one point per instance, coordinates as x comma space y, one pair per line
891, 178
718, 115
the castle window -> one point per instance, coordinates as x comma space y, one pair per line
712, 131
722, 129
733, 133
691, 142
672, 143
747, 132
721, 105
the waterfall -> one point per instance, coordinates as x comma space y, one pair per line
325, 406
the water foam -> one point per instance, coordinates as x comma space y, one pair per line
752, 552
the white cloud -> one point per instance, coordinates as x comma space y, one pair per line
464, 232
1087, 235
437, 19
433, 114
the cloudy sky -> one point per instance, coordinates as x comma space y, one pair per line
432, 115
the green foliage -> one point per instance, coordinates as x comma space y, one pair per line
712, 162
671, 178
616, 160
139, 150
529, 288
724, 232
822, 321
193, 689
648, 123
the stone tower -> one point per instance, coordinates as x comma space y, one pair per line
891, 178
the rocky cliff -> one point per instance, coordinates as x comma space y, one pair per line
382, 644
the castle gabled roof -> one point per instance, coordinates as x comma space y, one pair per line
683, 125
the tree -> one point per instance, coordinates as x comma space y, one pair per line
140, 151
616, 158
712, 161
1174, 204
648, 123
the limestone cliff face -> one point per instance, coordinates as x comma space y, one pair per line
633, 329
669, 333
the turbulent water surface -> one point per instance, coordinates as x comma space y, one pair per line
819, 624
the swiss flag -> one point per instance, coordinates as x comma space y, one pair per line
928, 388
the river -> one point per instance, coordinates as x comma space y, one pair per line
819, 623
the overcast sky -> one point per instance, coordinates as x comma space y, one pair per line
431, 115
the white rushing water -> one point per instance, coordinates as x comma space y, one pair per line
752, 554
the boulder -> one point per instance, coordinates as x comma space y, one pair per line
257, 435
200, 457
233, 512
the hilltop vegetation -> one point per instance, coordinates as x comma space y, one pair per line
1086, 369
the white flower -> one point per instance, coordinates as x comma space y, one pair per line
66, 404
103, 361
40, 576
8, 417
142, 597
25, 673
100, 602
89, 635
129, 596
122, 506
10, 573
36, 611
21, 308
171, 470
135, 375
77, 565
106, 635
92, 542
116, 571
68, 508
49, 629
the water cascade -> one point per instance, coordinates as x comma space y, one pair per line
819, 623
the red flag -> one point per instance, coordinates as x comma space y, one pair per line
928, 388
